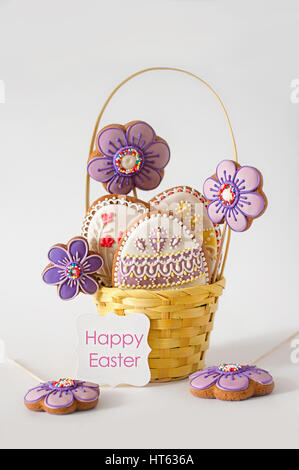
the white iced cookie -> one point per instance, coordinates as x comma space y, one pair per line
105, 222
158, 252
190, 206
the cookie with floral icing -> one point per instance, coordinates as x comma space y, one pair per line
231, 381
190, 206
235, 195
128, 157
105, 222
62, 396
72, 268
158, 251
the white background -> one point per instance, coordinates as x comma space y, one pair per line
59, 61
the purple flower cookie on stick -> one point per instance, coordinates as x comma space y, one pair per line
235, 195
62, 396
128, 157
72, 268
231, 381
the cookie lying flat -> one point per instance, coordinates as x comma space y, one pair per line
191, 207
232, 382
157, 252
104, 224
62, 396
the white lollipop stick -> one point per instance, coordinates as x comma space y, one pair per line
24, 369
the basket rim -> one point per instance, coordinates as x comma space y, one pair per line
163, 293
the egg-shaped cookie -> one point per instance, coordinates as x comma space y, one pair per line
158, 251
105, 222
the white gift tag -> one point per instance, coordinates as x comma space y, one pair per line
113, 349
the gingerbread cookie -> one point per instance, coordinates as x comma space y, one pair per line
190, 206
105, 222
127, 157
157, 252
235, 195
62, 396
231, 381
72, 268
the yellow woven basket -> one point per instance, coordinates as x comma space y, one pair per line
180, 319
180, 324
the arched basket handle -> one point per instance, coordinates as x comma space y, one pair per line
96, 127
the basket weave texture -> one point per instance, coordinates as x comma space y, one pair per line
180, 324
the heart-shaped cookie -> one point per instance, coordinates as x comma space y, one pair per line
158, 252
105, 222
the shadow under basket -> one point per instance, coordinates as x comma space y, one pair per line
180, 324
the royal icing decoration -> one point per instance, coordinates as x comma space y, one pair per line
230, 367
107, 217
190, 206
158, 238
234, 195
175, 241
128, 161
105, 222
73, 268
63, 383
107, 242
129, 156
161, 265
140, 244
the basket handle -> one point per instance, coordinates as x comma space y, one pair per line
186, 72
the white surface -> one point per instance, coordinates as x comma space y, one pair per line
160, 415
59, 61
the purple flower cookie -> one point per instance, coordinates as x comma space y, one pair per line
62, 396
72, 268
130, 156
231, 381
235, 194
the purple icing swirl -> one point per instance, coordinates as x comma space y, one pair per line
131, 158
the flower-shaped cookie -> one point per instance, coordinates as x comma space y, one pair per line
231, 381
235, 194
129, 156
72, 268
62, 396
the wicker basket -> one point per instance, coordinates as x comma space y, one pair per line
180, 324
180, 319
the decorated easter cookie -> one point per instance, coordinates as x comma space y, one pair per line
235, 195
72, 268
231, 381
127, 157
104, 224
157, 252
62, 396
190, 206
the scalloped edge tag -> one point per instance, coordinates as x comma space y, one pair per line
113, 349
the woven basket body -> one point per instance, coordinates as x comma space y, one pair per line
180, 324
